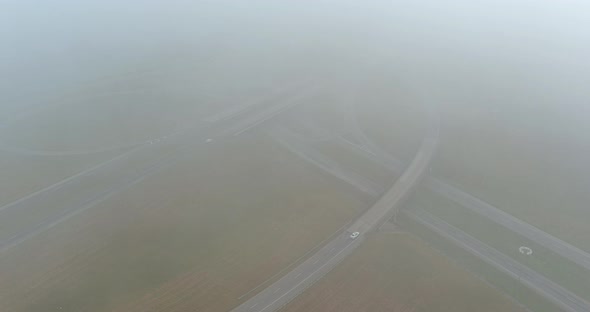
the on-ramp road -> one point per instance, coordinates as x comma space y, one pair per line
303, 276
566, 250
557, 294
293, 283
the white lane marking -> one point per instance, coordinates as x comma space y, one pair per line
316, 261
276, 290
332, 249
254, 305
298, 274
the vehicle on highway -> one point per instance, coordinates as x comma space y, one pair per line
354, 235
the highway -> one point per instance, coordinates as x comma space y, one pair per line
520, 227
568, 251
226, 114
294, 143
388, 205
365, 147
304, 275
269, 97
259, 117
296, 281
545, 287
48, 207
31, 152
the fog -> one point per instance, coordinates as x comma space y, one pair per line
278, 126
490, 53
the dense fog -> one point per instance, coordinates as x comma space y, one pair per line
197, 133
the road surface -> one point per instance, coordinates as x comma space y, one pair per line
226, 114
304, 275
568, 251
388, 205
270, 97
293, 283
46, 208
257, 118
366, 148
296, 145
545, 287
518, 226
557, 294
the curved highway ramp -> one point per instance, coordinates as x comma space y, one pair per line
564, 249
293, 283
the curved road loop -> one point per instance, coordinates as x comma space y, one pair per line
545, 287
296, 281
566, 250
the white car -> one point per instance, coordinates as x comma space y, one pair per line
354, 235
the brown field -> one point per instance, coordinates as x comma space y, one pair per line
396, 272
194, 237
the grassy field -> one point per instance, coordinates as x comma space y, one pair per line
196, 236
398, 272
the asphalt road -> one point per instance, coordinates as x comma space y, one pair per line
304, 275
518, 226
557, 294
238, 109
226, 114
389, 204
255, 118
554, 292
47, 208
568, 251
293, 283
545, 287
298, 146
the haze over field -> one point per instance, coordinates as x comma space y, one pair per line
218, 155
